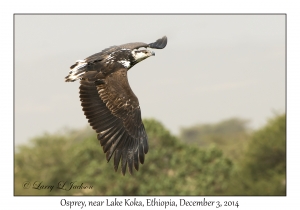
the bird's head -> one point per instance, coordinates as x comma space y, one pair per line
128, 58
139, 55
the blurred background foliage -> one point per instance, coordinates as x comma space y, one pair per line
226, 158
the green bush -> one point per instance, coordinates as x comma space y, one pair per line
229, 135
262, 170
171, 167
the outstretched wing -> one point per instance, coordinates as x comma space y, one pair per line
159, 44
113, 111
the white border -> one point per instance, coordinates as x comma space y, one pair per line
8, 8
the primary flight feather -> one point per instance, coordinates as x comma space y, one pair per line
109, 104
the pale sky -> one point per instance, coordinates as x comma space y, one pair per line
214, 67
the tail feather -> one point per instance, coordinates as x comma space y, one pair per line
77, 70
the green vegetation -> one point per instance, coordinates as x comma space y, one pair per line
262, 169
230, 136
221, 159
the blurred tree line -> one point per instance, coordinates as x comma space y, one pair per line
215, 159
230, 136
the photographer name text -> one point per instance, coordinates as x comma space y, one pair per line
62, 185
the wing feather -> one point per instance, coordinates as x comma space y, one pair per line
113, 111
117, 159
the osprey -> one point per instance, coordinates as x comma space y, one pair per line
109, 104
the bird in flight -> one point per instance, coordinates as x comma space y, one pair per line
109, 104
